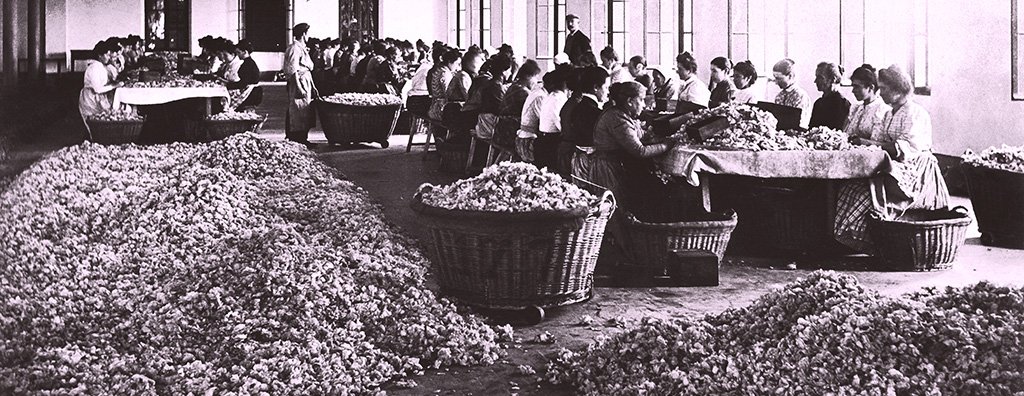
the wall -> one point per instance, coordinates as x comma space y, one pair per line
414, 19
95, 20
321, 15
210, 17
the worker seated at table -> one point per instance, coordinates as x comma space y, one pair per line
832, 109
97, 94
239, 74
791, 94
439, 79
666, 88
485, 96
578, 118
906, 135
458, 122
623, 151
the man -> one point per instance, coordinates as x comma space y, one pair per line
576, 43
298, 66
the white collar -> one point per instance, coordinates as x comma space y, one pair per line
592, 97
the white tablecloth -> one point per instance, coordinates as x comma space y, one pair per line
152, 96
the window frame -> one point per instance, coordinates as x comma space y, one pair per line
624, 50
559, 30
763, 65
184, 12
919, 32
485, 20
685, 36
843, 43
1016, 85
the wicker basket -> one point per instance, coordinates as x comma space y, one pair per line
115, 132
650, 243
997, 197
220, 129
351, 124
515, 260
919, 240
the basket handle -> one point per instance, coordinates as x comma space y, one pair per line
423, 189
607, 203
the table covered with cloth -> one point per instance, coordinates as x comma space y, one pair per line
154, 96
690, 162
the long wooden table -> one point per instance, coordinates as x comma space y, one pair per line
154, 96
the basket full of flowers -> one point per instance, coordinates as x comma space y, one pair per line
115, 127
359, 117
224, 124
995, 182
514, 237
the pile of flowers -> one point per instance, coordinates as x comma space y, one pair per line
236, 116
824, 138
238, 267
363, 99
1009, 158
116, 115
174, 80
742, 117
510, 187
821, 335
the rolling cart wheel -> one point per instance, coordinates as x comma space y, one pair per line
533, 315
385, 144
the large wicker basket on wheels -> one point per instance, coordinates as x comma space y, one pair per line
516, 261
919, 240
220, 129
650, 244
997, 197
344, 124
114, 132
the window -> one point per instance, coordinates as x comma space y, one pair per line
550, 28
852, 37
919, 62
685, 25
618, 18
458, 12
167, 25
758, 32
661, 26
485, 22
265, 24
1017, 65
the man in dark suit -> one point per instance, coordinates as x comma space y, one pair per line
576, 43
579, 117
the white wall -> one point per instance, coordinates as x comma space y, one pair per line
321, 15
210, 17
414, 19
95, 20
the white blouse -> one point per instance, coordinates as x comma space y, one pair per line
910, 127
694, 90
866, 117
550, 109
529, 121
97, 92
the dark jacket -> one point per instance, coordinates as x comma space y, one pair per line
581, 116
576, 45
831, 110
248, 74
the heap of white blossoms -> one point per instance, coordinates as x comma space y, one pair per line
363, 99
510, 187
238, 267
1008, 158
825, 335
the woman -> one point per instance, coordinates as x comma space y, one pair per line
116, 64
831, 109
369, 83
722, 90
906, 135
512, 103
578, 120
344, 61
390, 74
298, 66
866, 115
459, 122
440, 79
529, 119
545, 147
487, 95
691, 89
97, 94
666, 88
228, 56
622, 151
610, 62
744, 76
791, 94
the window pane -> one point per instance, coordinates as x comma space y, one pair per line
668, 46
688, 12
669, 15
739, 16
774, 17
853, 15
739, 47
920, 16
618, 16
853, 50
